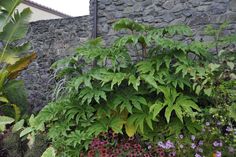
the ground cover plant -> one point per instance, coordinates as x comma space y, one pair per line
175, 98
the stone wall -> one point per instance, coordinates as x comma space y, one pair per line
51, 40
56, 38
195, 13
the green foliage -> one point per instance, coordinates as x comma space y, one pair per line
157, 96
13, 28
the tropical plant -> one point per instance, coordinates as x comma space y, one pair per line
13, 28
152, 96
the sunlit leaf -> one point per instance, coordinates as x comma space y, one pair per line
20, 65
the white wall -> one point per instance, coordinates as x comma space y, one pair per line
38, 14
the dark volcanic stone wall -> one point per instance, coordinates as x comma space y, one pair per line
54, 39
195, 13
51, 40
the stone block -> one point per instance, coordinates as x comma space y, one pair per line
178, 7
231, 17
147, 3
217, 8
169, 4
232, 5
168, 17
149, 10
199, 19
149, 19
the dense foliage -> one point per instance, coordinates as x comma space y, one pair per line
13, 96
13, 28
162, 94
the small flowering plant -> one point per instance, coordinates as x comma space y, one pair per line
114, 145
211, 141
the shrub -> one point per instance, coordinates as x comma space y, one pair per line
160, 94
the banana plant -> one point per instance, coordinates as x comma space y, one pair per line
13, 28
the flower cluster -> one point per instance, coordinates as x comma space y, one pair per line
112, 145
215, 140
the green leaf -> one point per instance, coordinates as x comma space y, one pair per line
208, 91
149, 121
18, 126
130, 129
179, 113
136, 104
50, 152
15, 69
6, 120
150, 80
3, 77
16, 29
198, 90
17, 111
116, 124
145, 67
117, 79
88, 94
9, 6
232, 111
231, 65
156, 108
167, 60
134, 81
213, 67
168, 112
3, 99
16, 93
26, 131
128, 24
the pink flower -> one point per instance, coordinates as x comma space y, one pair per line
198, 155
218, 154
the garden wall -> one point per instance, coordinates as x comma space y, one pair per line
195, 13
51, 40
54, 39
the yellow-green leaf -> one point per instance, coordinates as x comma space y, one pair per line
18, 126
17, 111
3, 99
130, 129
20, 65
50, 152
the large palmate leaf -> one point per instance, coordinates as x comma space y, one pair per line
17, 27
88, 94
139, 120
127, 101
174, 102
128, 24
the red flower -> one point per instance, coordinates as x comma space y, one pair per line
91, 153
